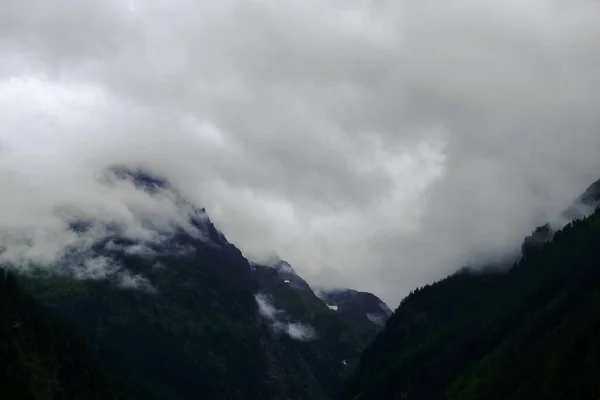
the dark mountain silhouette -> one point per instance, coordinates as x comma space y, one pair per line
348, 301
186, 316
41, 359
529, 333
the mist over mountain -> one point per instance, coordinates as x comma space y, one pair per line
299, 200
177, 311
174, 310
527, 332
368, 140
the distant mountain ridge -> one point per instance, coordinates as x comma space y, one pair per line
348, 300
288, 274
341, 300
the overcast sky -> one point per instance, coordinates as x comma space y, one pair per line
375, 144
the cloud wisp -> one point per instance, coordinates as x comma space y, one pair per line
279, 321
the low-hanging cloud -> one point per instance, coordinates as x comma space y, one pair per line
127, 280
278, 320
39, 214
378, 145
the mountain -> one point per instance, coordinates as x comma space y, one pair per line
175, 310
40, 358
583, 204
179, 313
527, 333
361, 312
344, 335
288, 274
318, 345
591, 196
348, 302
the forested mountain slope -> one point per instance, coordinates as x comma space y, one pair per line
531, 333
187, 316
40, 358
334, 340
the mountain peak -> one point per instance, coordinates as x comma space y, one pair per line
274, 261
349, 300
591, 196
284, 266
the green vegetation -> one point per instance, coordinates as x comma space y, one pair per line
195, 337
530, 333
327, 360
39, 359
193, 330
179, 320
198, 334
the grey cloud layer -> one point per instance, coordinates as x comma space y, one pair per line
375, 144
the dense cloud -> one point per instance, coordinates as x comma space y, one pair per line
377, 144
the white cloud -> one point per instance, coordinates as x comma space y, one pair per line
378, 144
300, 332
95, 268
135, 281
265, 308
